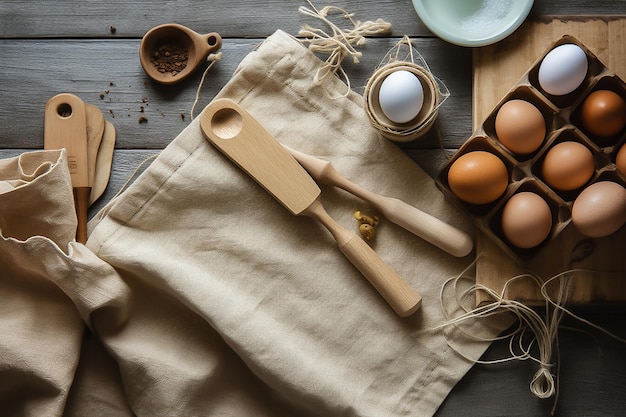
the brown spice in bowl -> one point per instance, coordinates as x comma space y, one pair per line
169, 57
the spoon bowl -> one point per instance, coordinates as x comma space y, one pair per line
169, 53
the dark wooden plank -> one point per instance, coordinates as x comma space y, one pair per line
35, 70
591, 378
106, 74
231, 18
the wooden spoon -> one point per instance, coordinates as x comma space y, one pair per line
197, 46
65, 126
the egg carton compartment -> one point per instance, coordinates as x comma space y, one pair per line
568, 134
477, 143
562, 116
529, 94
618, 158
610, 82
609, 173
594, 69
560, 218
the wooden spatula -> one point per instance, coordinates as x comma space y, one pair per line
95, 131
247, 143
65, 126
103, 162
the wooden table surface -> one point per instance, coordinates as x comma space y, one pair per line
90, 48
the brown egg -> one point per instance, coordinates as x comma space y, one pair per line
526, 220
478, 177
620, 160
603, 113
600, 209
520, 126
568, 166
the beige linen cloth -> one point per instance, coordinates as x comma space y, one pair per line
204, 296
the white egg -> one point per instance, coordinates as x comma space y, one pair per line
563, 69
401, 96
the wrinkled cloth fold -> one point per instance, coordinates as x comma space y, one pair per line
205, 297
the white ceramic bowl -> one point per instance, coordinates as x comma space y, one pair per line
472, 22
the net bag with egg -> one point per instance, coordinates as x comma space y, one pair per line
402, 97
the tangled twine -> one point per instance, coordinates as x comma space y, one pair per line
340, 43
532, 331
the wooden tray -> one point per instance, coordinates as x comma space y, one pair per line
497, 68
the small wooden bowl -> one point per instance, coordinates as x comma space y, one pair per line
196, 46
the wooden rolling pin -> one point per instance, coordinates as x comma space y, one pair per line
429, 228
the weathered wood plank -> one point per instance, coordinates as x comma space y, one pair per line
591, 376
35, 70
231, 18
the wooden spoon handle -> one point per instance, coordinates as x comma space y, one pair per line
65, 126
81, 201
430, 228
390, 285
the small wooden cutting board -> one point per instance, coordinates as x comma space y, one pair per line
497, 68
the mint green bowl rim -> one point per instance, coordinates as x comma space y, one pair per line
502, 31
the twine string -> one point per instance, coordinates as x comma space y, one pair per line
211, 59
339, 43
403, 55
533, 331
132, 176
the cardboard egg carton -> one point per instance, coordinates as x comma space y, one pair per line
562, 117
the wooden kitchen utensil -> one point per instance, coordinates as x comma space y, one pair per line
429, 228
66, 127
103, 163
95, 130
182, 39
232, 130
